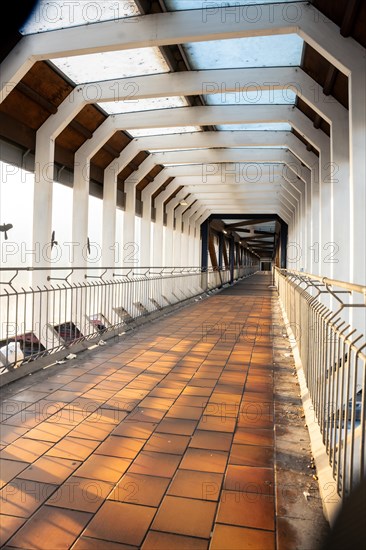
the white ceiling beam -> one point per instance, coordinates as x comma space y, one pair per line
179, 28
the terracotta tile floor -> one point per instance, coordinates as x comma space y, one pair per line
162, 440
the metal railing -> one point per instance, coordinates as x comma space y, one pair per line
80, 306
334, 363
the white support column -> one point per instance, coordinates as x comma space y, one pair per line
159, 249
42, 206
110, 197
339, 251
109, 252
146, 257
178, 251
129, 243
169, 243
357, 113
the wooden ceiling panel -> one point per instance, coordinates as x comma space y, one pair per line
149, 178
23, 109
162, 188
48, 83
316, 66
349, 15
70, 139
173, 195
308, 145
310, 113
90, 117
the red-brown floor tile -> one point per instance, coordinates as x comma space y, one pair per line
97, 431
123, 447
120, 522
251, 455
185, 516
73, 448
86, 543
136, 430
25, 450
217, 441
221, 424
140, 489
240, 538
167, 443
198, 485
8, 526
8, 434
259, 436
159, 403
50, 469
21, 497
145, 415
155, 464
204, 460
77, 493
177, 426
197, 392
190, 413
10, 469
48, 432
103, 468
166, 541
249, 479
55, 526
246, 510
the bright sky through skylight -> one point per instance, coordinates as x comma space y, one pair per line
61, 14
252, 96
163, 131
111, 65
273, 126
135, 105
254, 51
178, 5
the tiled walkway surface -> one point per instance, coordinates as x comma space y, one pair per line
164, 440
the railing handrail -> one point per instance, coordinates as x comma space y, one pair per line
352, 287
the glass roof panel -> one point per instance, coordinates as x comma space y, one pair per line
163, 131
178, 5
253, 96
58, 14
131, 106
254, 51
273, 126
110, 65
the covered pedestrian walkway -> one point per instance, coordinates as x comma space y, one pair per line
175, 437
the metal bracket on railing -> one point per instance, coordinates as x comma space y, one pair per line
96, 276
9, 283
123, 274
61, 278
141, 274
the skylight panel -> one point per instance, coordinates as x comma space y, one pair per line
135, 105
60, 14
272, 126
252, 96
179, 5
254, 51
163, 131
111, 65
